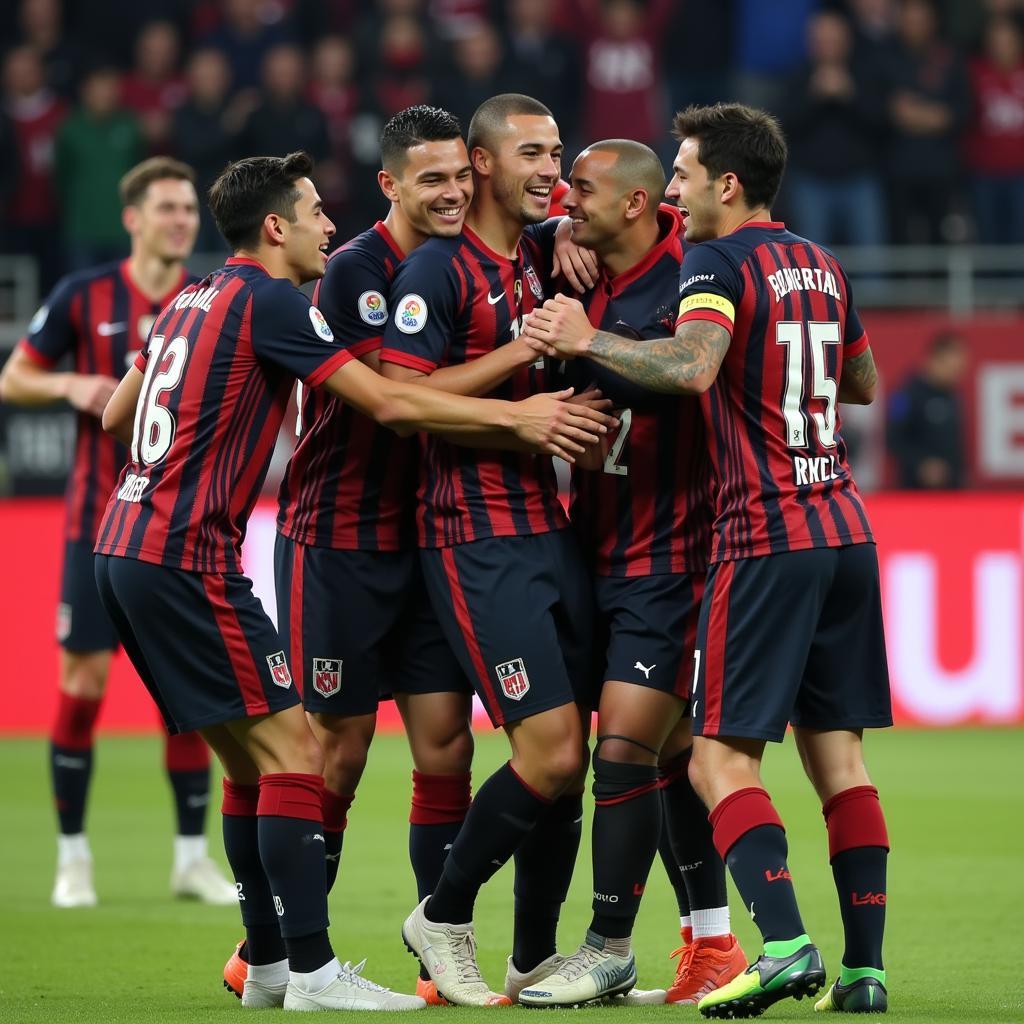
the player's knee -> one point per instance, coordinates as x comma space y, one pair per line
83, 677
624, 750
698, 775
453, 755
562, 763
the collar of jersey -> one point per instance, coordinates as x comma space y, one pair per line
142, 296
479, 243
245, 261
669, 223
382, 229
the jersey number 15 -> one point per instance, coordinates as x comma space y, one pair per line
801, 385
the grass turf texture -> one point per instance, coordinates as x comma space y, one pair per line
954, 801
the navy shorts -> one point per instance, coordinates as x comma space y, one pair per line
518, 612
83, 626
794, 637
201, 642
358, 626
647, 629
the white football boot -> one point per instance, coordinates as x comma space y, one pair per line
349, 990
203, 880
73, 885
590, 975
448, 951
516, 981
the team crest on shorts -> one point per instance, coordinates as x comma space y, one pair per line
327, 676
63, 621
534, 282
513, 678
279, 670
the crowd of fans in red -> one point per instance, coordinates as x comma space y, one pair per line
905, 117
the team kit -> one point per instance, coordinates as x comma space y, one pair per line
711, 583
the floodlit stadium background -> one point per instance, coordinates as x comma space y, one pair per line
907, 158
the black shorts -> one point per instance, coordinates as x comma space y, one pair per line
518, 612
83, 626
201, 642
358, 626
794, 637
647, 629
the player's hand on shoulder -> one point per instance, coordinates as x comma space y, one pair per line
559, 328
580, 267
552, 424
90, 392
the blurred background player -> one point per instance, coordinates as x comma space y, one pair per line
220, 366
790, 628
503, 572
642, 509
101, 318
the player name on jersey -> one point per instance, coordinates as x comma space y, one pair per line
789, 279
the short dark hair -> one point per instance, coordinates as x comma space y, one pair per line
746, 141
132, 187
491, 117
411, 127
636, 166
249, 189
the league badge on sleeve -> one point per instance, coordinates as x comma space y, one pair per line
411, 314
372, 308
534, 282
279, 670
38, 321
320, 325
513, 678
327, 676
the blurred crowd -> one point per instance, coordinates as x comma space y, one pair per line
905, 117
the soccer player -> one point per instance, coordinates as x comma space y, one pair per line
203, 405
503, 571
101, 317
642, 511
791, 624
353, 612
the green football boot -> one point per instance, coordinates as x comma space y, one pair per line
767, 981
865, 995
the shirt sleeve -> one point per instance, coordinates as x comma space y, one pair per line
353, 297
710, 287
51, 331
292, 333
855, 338
428, 294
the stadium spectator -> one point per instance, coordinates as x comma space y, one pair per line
203, 130
927, 106
285, 121
925, 421
476, 72
770, 42
40, 25
542, 60
399, 72
624, 95
155, 87
97, 144
247, 31
332, 89
874, 28
34, 115
697, 54
833, 120
995, 138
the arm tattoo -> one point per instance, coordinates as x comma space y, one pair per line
858, 378
670, 365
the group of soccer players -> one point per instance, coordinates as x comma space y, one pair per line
713, 581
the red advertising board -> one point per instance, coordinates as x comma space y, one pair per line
952, 577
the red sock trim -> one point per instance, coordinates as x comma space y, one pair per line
854, 818
335, 808
292, 795
439, 799
738, 814
239, 801
76, 722
186, 752
672, 771
529, 789
631, 794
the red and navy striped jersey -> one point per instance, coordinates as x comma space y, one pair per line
219, 366
772, 417
350, 483
649, 510
101, 318
457, 300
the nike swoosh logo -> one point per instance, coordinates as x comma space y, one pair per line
495, 299
105, 328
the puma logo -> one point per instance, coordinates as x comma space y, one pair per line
645, 669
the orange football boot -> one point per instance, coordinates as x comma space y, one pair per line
703, 968
427, 990
235, 972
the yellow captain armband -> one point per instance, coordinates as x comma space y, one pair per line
710, 302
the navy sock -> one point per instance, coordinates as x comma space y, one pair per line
627, 825
671, 865
439, 807
191, 797
544, 866
335, 807
70, 773
502, 814
263, 944
757, 861
860, 881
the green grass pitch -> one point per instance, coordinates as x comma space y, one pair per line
954, 800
